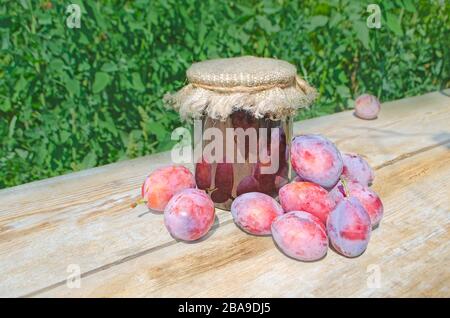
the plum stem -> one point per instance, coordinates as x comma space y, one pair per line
211, 190
139, 201
344, 183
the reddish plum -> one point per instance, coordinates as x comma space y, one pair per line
281, 178
223, 180
203, 175
218, 196
266, 180
254, 212
316, 159
280, 182
308, 197
348, 227
160, 186
300, 235
366, 196
247, 184
189, 215
243, 119
367, 107
356, 168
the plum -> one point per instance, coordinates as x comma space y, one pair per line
280, 181
367, 106
356, 168
254, 212
247, 184
189, 215
316, 159
223, 182
160, 186
348, 227
338, 192
282, 177
366, 196
266, 180
203, 175
308, 197
300, 235
219, 196
243, 119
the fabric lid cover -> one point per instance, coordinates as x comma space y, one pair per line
261, 86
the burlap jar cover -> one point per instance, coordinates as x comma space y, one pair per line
264, 87
259, 92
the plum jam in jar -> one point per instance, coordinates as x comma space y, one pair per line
242, 110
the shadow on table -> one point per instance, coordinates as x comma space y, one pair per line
443, 138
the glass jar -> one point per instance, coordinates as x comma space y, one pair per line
242, 142
242, 154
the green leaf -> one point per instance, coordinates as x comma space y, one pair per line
101, 81
157, 129
409, 6
108, 124
350, 103
342, 77
317, 22
12, 126
24, 4
73, 87
109, 67
266, 25
393, 24
342, 91
56, 65
89, 161
45, 19
22, 153
362, 33
137, 82
5, 104
5, 39
336, 18
64, 136
20, 85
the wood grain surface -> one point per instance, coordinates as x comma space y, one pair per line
83, 219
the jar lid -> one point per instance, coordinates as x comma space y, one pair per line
246, 71
260, 86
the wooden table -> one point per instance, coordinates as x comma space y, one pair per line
51, 229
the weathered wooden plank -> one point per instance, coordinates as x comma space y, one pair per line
84, 218
409, 250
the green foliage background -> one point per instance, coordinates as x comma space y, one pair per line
71, 99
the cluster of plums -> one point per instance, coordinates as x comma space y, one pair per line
328, 201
